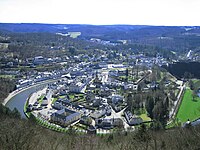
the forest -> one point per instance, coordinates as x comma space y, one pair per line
175, 38
185, 69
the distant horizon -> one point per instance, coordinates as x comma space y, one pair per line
103, 24
102, 12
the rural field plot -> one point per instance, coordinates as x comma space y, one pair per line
190, 108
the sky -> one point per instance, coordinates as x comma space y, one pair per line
102, 12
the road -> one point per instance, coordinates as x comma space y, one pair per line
174, 110
105, 76
119, 115
36, 95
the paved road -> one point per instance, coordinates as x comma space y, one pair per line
119, 115
36, 95
174, 110
105, 76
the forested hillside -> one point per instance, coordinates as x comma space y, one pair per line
175, 38
18, 134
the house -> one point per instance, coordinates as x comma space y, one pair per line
109, 123
104, 123
108, 111
77, 87
47, 98
76, 72
86, 120
65, 117
131, 86
132, 119
98, 114
45, 101
118, 66
103, 65
23, 83
57, 105
117, 122
90, 96
117, 99
39, 60
113, 73
63, 92
97, 101
105, 92
91, 87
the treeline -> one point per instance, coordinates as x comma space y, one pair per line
185, 70
18, 134
27, 45
6, 86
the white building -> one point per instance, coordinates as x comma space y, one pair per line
77, 87
39, 60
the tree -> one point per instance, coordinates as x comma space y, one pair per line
150, 106
127, 75
130, 102
72, 50
194, 95
16, 113
191, 84
161, 111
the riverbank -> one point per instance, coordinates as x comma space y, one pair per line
16, 92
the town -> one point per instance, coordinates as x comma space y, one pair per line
99, 87
94, 96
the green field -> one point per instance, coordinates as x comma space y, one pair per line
145, 117
74, 34
189, 108
7, 76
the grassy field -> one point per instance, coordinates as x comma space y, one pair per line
7, 76
74, 34
40, 99
145, 117
189, 108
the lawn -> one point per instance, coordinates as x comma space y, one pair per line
145, 117
74, 34
54, 100
40, 99
7, 76
189, 108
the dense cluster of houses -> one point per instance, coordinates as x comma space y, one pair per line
91, 93
85, 94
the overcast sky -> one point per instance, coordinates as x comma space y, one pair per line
135, 12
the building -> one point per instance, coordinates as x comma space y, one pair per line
117, 99
47, 98
109, 123
98, 114
24, 83
131, 86
39, 60
132, 119
77, 87
65, 117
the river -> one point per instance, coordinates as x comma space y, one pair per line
19, 99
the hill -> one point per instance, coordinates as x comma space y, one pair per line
174, 38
